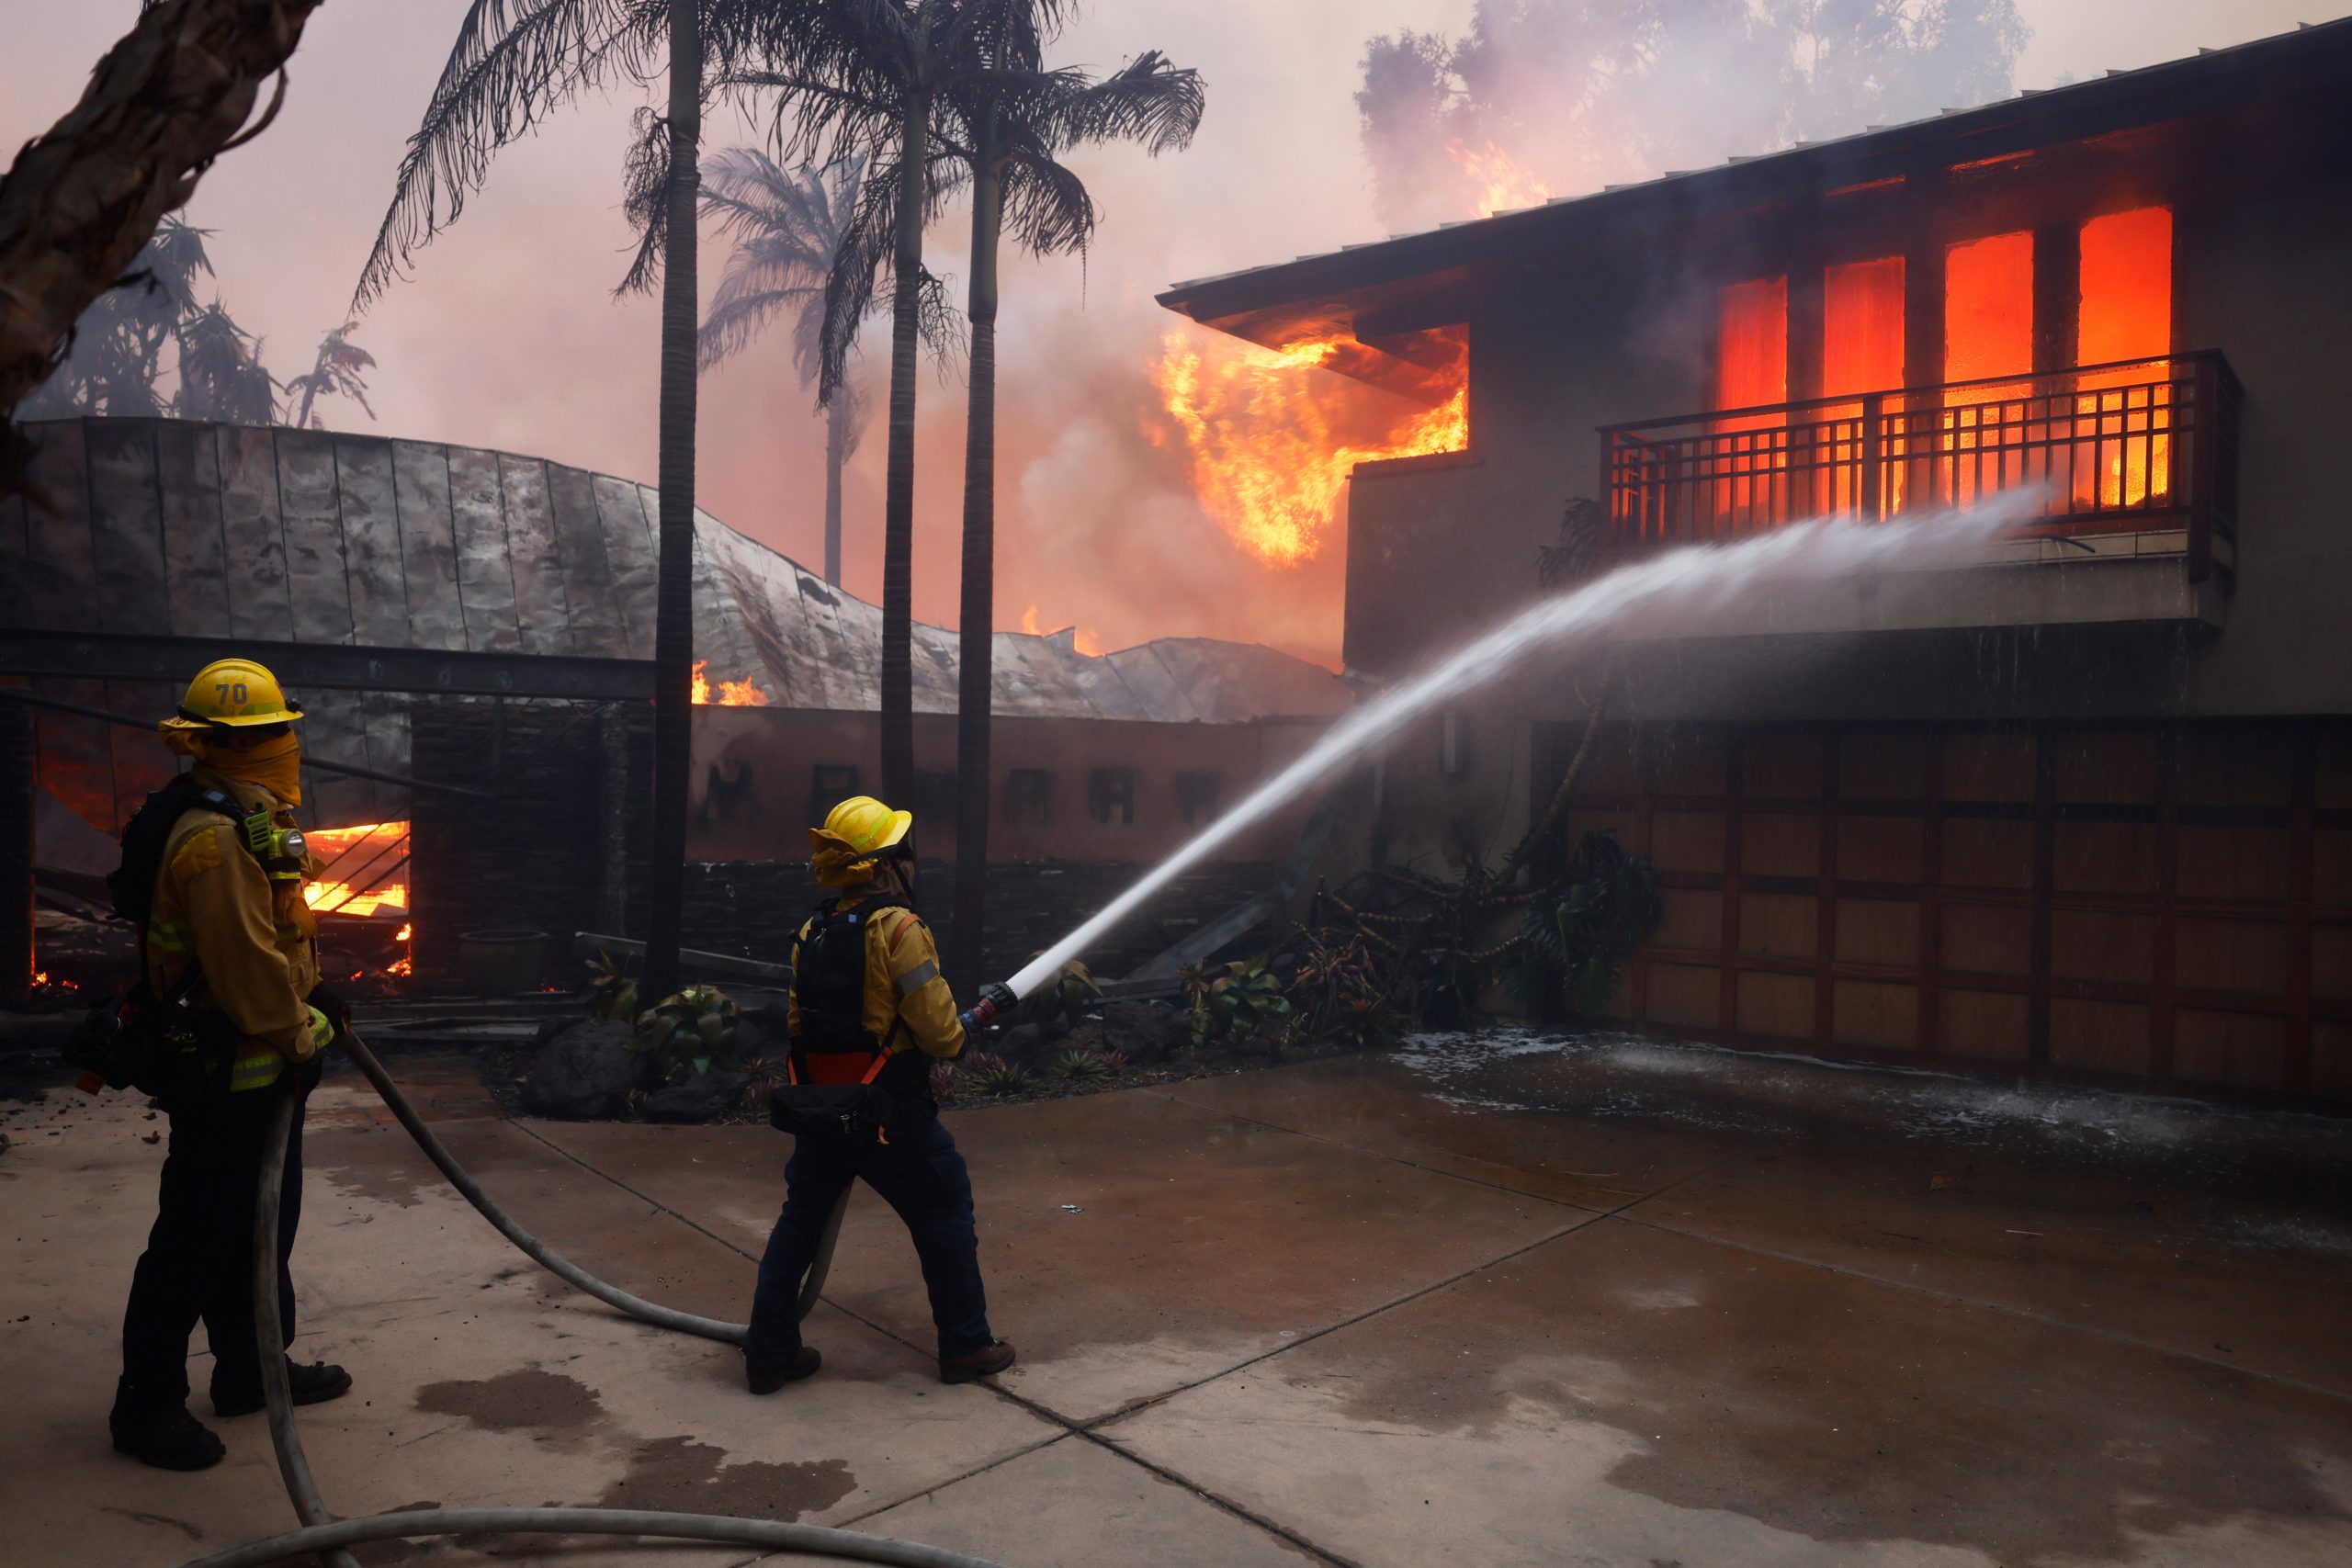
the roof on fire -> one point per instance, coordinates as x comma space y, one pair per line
1396, 279
195, 530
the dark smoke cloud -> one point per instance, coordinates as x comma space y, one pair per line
1581, 93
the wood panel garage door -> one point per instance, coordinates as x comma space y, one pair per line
2165, 908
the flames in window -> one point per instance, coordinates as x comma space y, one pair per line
743, 694
366, 869
1270, 435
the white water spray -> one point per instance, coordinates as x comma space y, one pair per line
1675, 588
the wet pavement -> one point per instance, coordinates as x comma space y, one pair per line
1500, 1300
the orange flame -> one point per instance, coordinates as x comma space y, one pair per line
1029, 622
1087, 643
1499, 183
1270, 449
743, 694
373, 848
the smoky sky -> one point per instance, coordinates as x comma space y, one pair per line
505, 333
1579, 93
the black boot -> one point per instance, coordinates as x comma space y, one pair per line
312, 1384
168, 1439
805, 1362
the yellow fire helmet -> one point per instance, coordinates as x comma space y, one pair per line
237, 693
856, 832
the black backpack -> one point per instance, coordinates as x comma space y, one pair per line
834, 1065
157, 1044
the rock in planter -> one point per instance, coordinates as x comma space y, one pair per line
698, 1097
1145, 1032
1023, 1043
583, 1072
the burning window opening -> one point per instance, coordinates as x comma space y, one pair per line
359, 861
1269, 448
2101, 434
2124, 312
1989, 307
743, 694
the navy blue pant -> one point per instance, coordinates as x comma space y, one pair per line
200, 1256
918, 1174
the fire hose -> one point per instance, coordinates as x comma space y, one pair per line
323, 1535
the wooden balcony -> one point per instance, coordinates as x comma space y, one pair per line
2134, 458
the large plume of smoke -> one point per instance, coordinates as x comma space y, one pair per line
1582, 92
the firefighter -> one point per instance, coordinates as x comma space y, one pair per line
228, 930
867, 1014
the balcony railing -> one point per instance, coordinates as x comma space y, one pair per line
2144, 446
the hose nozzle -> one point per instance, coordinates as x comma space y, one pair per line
996, 996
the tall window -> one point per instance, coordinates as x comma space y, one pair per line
1988, 330
1111, 795
1752, 352
1861, 351
1861, 327
1989, 307
1751, 368
2124, 312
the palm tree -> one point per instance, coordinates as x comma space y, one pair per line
340, 371
221, 376
116, 366
787, 226
870, 77
1013, 117
513, 62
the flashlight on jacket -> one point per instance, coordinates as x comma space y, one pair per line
278, 849
996, 996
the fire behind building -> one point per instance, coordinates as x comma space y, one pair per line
470, 631
2082, 809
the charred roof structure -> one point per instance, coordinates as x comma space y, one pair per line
368, 572
2078, 807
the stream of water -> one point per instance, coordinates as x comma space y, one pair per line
1676, 587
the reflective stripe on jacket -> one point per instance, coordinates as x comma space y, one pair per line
902, 984
256, 939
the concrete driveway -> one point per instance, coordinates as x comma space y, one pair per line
1488, 1301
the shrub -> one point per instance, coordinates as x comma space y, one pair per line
1232, 1000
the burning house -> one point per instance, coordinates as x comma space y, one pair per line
472, 632
2079, 808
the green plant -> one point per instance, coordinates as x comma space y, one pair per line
1057, 1006
1341, 994
611, 992
1577, 933
694, 1028
763, 1075
1232, 998
1082, 1066
994, 1074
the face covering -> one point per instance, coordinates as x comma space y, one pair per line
274, 765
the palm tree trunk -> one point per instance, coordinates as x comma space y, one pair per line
80, 201
974, 676
899, 496
836, 453
673, 626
